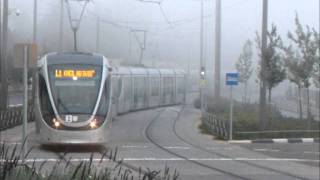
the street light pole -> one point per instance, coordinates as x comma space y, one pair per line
4, 81
262, 98
98, 35
61, 26
217, 65
202, 73
35, 10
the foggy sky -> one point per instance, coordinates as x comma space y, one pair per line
173, 41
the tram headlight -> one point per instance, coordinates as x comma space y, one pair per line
56, 123
93, 124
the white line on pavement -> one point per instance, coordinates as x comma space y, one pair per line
172, 159
267, 150
176, 147
128, 146
15, 105
311, 152
307, 139
280, 140
240, 141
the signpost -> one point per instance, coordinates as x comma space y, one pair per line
25, 57
231, 80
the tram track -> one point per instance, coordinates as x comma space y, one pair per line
222, 155
150, 139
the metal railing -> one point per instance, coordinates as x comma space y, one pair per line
216, 125
12, 117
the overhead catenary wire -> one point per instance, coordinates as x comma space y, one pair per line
75, 23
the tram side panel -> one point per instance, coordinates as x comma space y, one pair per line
154, 95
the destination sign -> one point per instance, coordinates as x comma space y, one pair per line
71, 73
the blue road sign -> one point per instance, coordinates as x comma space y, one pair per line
232, 79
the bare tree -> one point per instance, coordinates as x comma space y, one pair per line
300, 61
244, 67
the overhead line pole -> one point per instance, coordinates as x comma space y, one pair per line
4, 83
98, 35
201, 88
262, 98
0, 61
217, 64
35, 11
61, 25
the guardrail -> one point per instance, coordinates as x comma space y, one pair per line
12, 117
216, 125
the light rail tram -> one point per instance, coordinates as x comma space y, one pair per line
77, 94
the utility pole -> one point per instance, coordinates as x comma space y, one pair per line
4, 79
35, 23
262, 98
0, 49
217, 64
35, 10
61, 25
75, 22
98, 35
142, 45
202, 68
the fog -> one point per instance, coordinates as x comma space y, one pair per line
172, 28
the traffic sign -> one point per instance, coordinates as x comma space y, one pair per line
19, 55
232, 79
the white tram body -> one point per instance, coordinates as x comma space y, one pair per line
77, 94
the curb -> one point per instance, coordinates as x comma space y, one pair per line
269, 141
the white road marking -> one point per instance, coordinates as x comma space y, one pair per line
10, 143
307, 140
267, 150
240, 141
15, 105
129, 146
176, 147
167, 147
171, 159
280, 140
311, 152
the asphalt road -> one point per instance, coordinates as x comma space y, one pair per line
169, 136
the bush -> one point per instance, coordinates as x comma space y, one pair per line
12, 168
246, 120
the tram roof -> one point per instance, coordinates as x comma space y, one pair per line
74, 57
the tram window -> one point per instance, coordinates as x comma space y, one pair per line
105, 98
127, 87
45, 103
76, 95
180, 85
119, 87
154, 87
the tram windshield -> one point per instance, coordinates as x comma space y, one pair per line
75, 88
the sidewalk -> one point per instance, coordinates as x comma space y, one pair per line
14, 135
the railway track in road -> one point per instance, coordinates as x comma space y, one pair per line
148, 136
233, 175
222, 155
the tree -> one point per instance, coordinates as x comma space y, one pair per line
300, 61
244, 67
274, 67
316, 69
